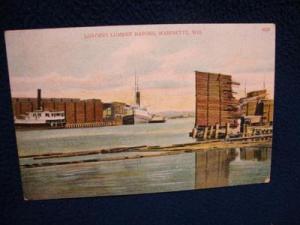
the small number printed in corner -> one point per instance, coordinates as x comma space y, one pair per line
266, 29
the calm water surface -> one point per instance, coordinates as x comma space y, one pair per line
174, 131
185, 171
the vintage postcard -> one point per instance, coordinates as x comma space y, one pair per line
118, 110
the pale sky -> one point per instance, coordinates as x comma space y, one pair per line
94, 62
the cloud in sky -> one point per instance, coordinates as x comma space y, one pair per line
66, 64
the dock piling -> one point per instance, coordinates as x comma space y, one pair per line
217, 131
205, 133
227, 130
211, 132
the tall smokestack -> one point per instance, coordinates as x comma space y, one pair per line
137, 92
138, 98
39, 99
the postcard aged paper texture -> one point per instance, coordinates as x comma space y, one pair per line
120, 110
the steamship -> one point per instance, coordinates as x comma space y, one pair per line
139, 114
40, 119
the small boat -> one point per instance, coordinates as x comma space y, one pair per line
157, 119
40, 119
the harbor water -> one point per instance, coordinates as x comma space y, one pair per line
175, 131
182, 171
185, 171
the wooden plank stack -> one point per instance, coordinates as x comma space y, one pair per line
70, 112
268, 110
80, 112
251, 108
262, 92
215, 103
59, 106
98, 110
90, 110
48, 105
25, 107
257, 103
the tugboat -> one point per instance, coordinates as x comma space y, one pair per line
40, 119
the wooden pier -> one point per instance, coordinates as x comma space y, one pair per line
227, 132
93, 124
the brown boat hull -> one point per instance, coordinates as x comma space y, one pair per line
43, 126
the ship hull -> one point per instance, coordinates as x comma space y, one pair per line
157, 121
37, 126
135, 119
128, 120
32, 126
141, 119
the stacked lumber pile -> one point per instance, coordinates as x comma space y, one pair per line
259, 93
90, 110
76, 110
256, 103
268, 110
250, 105
215, 103
80, 112
250, 108
70, 112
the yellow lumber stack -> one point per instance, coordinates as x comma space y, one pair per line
215, 103
268, 110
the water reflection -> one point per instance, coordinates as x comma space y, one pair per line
261, 154
185, 171
213, 168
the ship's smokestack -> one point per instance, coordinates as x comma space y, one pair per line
39, 99
137, 92
138, 98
